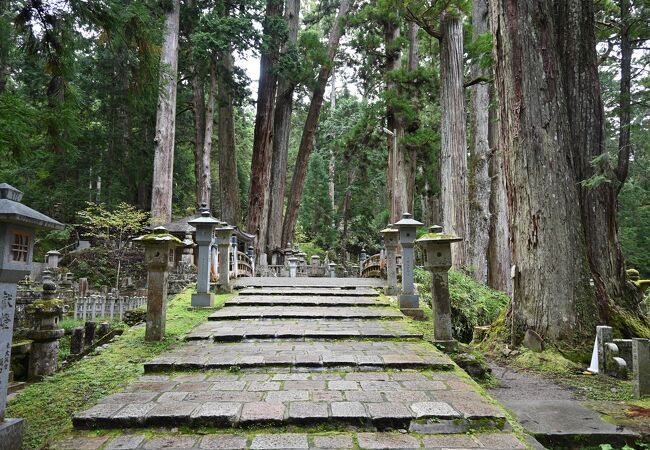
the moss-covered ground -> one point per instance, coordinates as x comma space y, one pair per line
48, 406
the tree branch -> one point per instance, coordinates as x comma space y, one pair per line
477, 80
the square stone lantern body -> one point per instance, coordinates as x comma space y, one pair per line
159, 256
436, 247
224, 233
18, 225
204, 226
391, 242
409, 301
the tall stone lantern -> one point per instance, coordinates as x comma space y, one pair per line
18, 225
436, 248
223, 234
204, 226
409, 301
159, 255
391, 242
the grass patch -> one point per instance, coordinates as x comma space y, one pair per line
48, 406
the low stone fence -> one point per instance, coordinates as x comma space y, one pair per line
96, 306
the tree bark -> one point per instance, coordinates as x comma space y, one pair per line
625, 112
453, 156
228, 176
331, 167
198, 110
163, 166
479, 178
551, 125
261, 162
205, 175
309, 130
282, 129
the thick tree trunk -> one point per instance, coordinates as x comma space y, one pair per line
408, 153
282, 129
163, 165
453, 156
198, 110
228, 177
479, 178
551, 126
625, 111
205, 175
309, 130
331, 167
261, 162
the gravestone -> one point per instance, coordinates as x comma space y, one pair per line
77, 340
90, 327
83, 287
315, 265
641, 367
293, 267
18, 224
409, 301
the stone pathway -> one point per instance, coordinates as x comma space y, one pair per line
356, 369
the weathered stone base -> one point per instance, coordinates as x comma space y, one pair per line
409, 301
44, 359
446, 346
414, 313
203, 299
11, 434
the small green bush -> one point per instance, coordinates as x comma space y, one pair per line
472, 304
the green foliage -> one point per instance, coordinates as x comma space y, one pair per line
48, 406
472, 304
316, 215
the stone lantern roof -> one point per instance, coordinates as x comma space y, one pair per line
407, 220
12, 211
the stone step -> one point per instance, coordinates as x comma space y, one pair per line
308, 282
339, 292
303, 300
351, 355
237, 330
492, 440
373, 399
312, 312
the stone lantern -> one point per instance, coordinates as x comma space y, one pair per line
436, 248
52, 258
364, 255
391, 242
315, 265
204, 226
409, 301
332, 268
18, 224
47, 313
188, 250
223, 233
159, 250
293, 266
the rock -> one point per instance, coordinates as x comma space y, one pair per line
533, 341
480, 333
506, 352
470, 364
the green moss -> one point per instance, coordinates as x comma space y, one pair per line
643, 285
549, 361
41, 306
48, 406
626, 324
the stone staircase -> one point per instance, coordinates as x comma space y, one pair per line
309, 358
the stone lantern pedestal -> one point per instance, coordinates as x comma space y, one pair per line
391, 242
18, 225
47, 313
409, 301
204, 226
159, 248
223, 234
437, 260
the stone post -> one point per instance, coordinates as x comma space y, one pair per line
77, 341
204, 237
223, 234
103, 329
188, 250
234, 256
315, 265
90, 328
159, 258
47, 313
250, 252
52, 258
641, 367
18, 224
409, 301
391, 242
332, 269
83, 287
603, 336
293, 267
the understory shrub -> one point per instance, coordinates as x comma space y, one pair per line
472, 304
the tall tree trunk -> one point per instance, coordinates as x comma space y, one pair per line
282, 129
408, 152
453, 156
228, 177
261, 162
394, 123
309, 130
551, 125
479, 178
198, 110
624, 107
163, 165
331, 168
206, 155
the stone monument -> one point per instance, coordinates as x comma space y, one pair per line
391, 242
18, 224
436, 247
332, 269
159, 248
293, 267
409, 301
223, 233
641, 367
204, 237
